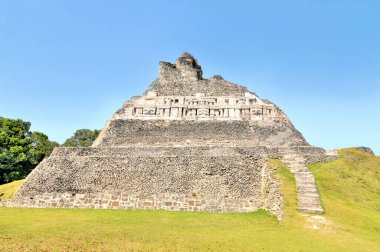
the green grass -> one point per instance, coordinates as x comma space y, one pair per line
8, 190
349, 190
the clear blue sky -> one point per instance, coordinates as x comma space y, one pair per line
66, 65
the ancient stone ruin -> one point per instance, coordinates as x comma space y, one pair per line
188, 143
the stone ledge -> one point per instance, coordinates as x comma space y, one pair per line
207, 151
124, 200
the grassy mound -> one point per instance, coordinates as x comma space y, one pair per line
350, 191
350, 194
8, 190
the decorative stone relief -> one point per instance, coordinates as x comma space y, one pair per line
201, 107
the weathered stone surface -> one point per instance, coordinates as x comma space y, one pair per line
165, 201
187, 144
198, 133
365, 149
207, 173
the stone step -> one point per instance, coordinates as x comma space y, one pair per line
307, 190
303, 202
302, 168
304, 174
296, 167
304, 178
307, 193
311, 209
294, 163
305, 181
308, 198
309, 205
305, 184
297, 170
308, 201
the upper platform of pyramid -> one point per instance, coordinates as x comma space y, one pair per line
180, 92
181, 106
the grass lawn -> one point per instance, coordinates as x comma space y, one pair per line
350, 193
8, 190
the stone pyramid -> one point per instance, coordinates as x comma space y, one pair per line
189, 143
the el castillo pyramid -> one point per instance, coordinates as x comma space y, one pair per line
188, 143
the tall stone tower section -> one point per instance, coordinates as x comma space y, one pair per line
181, 108
188, 143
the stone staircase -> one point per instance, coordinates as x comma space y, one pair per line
307, 193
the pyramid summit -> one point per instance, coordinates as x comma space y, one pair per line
182, 102
188, 143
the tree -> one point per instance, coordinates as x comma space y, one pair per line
41, 146
20, 149
82, 138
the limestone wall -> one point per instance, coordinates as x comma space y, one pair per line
207, 173
204, 179
124, 200
198, 133
272, 202
201, 151
257, 152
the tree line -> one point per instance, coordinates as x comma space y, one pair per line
21, 150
